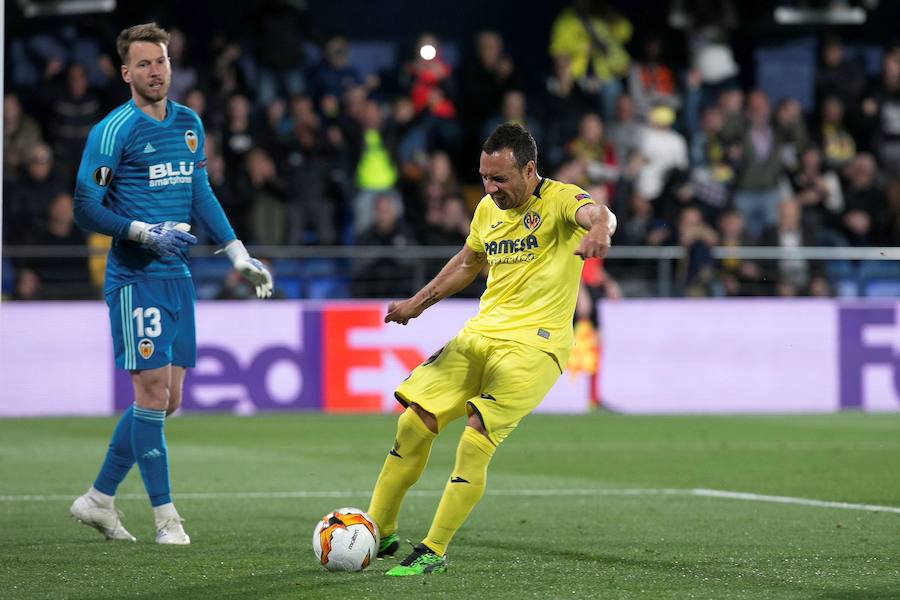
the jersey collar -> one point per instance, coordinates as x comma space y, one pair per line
537, 189
170, 113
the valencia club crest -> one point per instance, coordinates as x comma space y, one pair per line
190, 138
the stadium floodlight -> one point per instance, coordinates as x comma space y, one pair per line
59, 8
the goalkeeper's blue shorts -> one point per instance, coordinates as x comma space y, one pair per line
152, 323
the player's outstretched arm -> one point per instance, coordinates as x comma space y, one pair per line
252, 269
601, 225
455, 276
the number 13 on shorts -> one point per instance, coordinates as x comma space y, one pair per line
152, 324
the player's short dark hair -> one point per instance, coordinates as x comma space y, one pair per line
145, 32
516, 138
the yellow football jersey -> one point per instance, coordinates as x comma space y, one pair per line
533, 281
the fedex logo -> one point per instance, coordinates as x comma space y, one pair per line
166, 174
869, 340
334, 358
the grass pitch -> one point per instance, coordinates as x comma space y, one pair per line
595, 506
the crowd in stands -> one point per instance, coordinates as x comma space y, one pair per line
305, 149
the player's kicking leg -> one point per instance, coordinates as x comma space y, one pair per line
461, 494
416, 430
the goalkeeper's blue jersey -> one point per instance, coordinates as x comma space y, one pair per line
137, 168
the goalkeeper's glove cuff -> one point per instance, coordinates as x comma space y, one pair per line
137, 231
235, 251
252, 269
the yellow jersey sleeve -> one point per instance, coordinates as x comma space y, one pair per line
572, 198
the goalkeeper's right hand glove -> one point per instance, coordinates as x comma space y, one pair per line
164, 239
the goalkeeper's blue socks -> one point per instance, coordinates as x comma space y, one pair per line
149, 444
119, 457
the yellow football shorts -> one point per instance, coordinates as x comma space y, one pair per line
500, 380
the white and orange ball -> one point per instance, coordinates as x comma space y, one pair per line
346, 540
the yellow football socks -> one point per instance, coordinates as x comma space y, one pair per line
464, 489
402, 468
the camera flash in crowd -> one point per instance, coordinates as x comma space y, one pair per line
427, 52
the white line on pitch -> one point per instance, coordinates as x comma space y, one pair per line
701, 492
792, 500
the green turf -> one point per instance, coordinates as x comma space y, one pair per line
568, 546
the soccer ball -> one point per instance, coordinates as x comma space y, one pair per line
345, 540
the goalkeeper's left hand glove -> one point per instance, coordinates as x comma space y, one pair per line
252, 269
165, 239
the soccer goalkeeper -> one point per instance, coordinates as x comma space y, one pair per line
142, 177
533, 233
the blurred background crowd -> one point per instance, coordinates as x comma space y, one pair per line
701, 123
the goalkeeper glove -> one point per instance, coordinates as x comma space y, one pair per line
165, 239
252, 270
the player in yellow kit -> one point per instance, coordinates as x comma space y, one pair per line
533, 233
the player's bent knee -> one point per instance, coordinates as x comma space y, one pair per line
474, 421
428, 419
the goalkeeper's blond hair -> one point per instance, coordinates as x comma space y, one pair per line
145, 32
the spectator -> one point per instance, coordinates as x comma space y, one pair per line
307, 152
881, 108
275, 128
280, 58
864, 199
791, 131
239, 134
737, 276
624, 132
184, 75
484, 80
839, 75
713, 170
695, 273
230, 194
790, 276
833, 137
267, 196
593, 36
376, 169
20, 134
598, 164
72, 112
430, 80
759, 172
889, 221
409, 137
819, 192
707, 23
333, 75
58, 277
514, 109
663, 150
651, 82
734, 125
564, 101
439, 183
26, 201
384, 277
